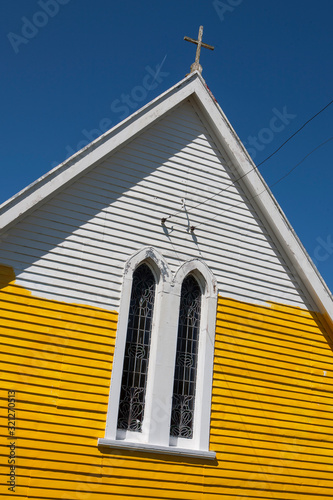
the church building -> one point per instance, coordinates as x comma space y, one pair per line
164, 333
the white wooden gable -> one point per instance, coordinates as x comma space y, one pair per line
72, 231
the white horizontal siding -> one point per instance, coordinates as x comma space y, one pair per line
85, 239
67, 254
74, 247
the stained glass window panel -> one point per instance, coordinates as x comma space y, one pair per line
135, 369
183, 399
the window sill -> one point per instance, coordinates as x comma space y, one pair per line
110, 443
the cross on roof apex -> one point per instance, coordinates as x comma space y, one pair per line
196, 66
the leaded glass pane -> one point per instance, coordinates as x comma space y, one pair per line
133, 386
186, 360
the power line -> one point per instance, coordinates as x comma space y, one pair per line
274, 184
305, 157
295, 133
164, 219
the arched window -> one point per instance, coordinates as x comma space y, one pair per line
136, 358
184, 388
168, 323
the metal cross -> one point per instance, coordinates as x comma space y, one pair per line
196, 66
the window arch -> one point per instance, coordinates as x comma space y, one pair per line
200, 413
184, 388
136, 358
185, 341
117, 424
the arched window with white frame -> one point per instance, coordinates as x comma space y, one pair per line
145, 277
136, 357
161, 383
196, 287
185, 378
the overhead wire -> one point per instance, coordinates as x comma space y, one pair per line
305, 157
295, 133
275, 183
164, 219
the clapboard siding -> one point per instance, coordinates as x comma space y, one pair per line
74, 247
79, 211
271, 420
53, 221
88, 266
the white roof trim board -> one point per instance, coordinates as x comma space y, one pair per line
192, 87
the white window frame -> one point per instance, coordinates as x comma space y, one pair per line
162, 276
203, 392
155, 435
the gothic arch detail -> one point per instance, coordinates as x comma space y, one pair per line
182, 307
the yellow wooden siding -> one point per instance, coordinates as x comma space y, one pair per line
271, 422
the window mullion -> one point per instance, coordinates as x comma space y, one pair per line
161, 372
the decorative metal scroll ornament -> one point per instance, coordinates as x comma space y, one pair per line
183, 399
135, 369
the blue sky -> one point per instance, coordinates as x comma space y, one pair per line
68, 67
